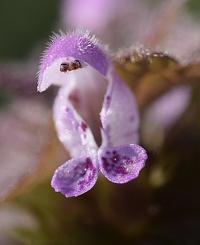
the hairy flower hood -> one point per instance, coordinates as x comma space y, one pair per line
89, 87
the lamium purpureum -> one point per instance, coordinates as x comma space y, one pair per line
95, 114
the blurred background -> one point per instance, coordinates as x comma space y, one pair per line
163, 205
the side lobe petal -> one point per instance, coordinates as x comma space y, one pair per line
72, 130
123, 163
75, 177
120, 159
119, 115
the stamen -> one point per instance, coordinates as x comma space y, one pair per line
64, 67
74, 65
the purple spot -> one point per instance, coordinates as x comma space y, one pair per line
84, 126
67, 109
105, 162
108, 101
124, 164
75, 177
132, 118
108, 98
120, 170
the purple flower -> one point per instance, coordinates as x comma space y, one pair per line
89, 86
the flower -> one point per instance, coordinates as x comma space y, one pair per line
126, 20
79, 64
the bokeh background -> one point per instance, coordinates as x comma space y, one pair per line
163, 205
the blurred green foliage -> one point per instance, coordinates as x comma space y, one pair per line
4, 99
24, 24
194, 7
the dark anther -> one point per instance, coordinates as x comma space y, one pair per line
76, 64
64, 67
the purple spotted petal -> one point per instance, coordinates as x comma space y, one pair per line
72, 130
123, 163
119, 114
75, 177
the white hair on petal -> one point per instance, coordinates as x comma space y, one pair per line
82, 32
